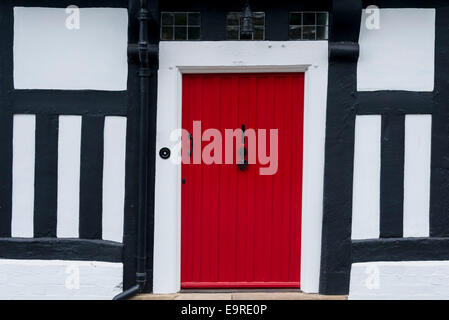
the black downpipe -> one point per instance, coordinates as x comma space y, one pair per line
128, 293
144, 52
144, 74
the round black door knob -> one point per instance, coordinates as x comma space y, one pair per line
164, 153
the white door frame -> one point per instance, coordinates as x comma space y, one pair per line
177, 58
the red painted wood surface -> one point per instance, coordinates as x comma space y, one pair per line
240, 228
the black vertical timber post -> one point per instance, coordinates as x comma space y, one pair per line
6, 117
439, 189
130, 221
392, 176
46, 177
339, 148
154, 37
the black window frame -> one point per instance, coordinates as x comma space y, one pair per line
173, 25
310, 26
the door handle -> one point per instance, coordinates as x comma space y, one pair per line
190, 153
243, 162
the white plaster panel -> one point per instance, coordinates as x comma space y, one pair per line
59, 280
366, 181
403, 280
418, 136
24, 132
114, 178
400, 54
310, 57
69, 159
48, 55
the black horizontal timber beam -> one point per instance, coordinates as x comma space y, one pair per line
60, 249
403, 249
394, 102
68, 102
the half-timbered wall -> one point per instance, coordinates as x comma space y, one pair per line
68, 144
385, 199
391, 59
63, 105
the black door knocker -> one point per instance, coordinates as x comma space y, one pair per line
242, 164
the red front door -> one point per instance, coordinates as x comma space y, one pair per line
240, 228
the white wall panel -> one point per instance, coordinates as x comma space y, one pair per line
48, 55
23, 175
114, 178
54, 280
418, 134
403, 280
69, 157
366, 185
399, 55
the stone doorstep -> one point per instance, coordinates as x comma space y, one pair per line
239, 296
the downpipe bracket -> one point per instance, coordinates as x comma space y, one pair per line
144, 53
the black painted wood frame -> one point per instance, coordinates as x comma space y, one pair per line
60, 249
46, 176
339, 146
404, 249
6, 129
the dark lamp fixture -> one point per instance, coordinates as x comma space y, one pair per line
247, 24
